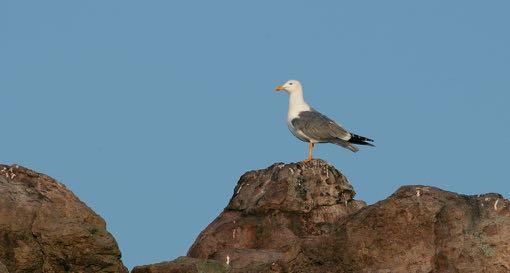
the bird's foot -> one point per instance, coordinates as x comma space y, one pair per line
307, 160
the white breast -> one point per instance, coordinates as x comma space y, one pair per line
296, 105
295, 108
294, 113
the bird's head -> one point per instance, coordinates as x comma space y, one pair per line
290, 86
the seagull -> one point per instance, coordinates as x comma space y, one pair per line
311, 126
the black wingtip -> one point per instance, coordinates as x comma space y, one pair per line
361, 140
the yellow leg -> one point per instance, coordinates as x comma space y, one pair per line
310, 152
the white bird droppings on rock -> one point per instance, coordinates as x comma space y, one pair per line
238, 190
496, 205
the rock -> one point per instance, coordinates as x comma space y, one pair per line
271, 214
185, 265
3, 268
302, 218
273, 209
419, 229
44, 227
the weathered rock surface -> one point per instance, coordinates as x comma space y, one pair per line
3, 269
272, 213
273, 210
303, 218
44, 227
185, 265
418, 229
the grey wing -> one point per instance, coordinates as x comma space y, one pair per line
319, 127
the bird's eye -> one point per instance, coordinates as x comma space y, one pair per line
290, 83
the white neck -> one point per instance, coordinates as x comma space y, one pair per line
297, 104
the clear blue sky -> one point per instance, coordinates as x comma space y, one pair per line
151, 110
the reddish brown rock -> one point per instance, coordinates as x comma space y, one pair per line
418, 229
301, 218
271, 214
185, 265
272, 210
44, 227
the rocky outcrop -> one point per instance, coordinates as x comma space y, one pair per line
303, 218
419, 229
186, 265
273, 210
44, 227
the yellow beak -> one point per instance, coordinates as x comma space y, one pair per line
280, 88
